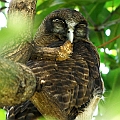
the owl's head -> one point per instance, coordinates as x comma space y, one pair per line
65, 24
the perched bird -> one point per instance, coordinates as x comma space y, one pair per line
69, 85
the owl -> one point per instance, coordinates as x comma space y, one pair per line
68, 88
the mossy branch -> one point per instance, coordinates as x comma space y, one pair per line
17, 82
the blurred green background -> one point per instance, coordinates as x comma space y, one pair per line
104, 31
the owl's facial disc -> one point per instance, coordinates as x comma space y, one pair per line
69, 28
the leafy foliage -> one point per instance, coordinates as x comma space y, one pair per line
2, 114
102, 15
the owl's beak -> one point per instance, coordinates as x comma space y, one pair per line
70, 34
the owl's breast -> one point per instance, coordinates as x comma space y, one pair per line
66, 82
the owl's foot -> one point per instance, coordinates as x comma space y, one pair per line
64, 51
57, 53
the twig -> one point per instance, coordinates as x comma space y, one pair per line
107, 24
106, 43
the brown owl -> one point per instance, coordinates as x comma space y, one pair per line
68, 88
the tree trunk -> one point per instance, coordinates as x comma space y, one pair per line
17, 82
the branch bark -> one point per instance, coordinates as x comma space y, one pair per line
17, 82
107, 24
20, 25
108, 42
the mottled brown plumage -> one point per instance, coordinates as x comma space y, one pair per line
65, 86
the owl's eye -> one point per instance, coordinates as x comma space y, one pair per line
58, 21
81, 25
81, 30
58, 25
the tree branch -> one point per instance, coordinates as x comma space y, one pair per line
108, 42
107, 24
20, 27
17, 82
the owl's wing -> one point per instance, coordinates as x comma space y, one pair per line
95, 85
23, 111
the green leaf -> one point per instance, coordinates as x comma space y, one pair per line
113, 3
2, 114
44, 5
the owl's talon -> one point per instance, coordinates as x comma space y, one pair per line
64, 51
